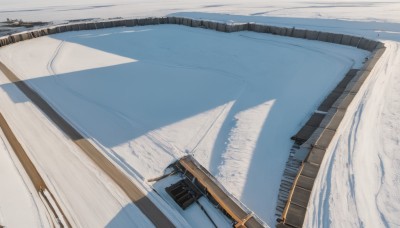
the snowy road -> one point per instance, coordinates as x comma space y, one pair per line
55, 212
72, 184
18, 196
131, 190
359, 182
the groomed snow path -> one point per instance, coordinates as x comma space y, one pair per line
359, 182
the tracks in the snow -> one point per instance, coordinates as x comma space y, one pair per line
147, 207
37, 180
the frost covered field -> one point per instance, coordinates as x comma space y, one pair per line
149, 95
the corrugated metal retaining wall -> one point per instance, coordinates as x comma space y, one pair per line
296, 207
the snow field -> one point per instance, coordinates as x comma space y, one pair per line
56, 10
149, 95
90, 198
336, 204
18, 196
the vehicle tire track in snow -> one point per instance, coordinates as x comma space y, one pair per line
362, 167
224, 73
34, 175
210, 127
157, 139
147, 207
372, 107
52, 70
34, 203
284, 44
50, 67
389, 135
220, 114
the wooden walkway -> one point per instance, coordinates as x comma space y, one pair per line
289, 175
243, 217
315, 138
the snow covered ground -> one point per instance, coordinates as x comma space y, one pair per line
360, 181
359, 184
79, 187
50, 10
17, 195
152, 94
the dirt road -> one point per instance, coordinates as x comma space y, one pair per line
30, 169
132, 191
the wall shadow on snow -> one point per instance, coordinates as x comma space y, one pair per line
119, 103
114, 107
370, 29
262, 173
126, 217
14, 93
